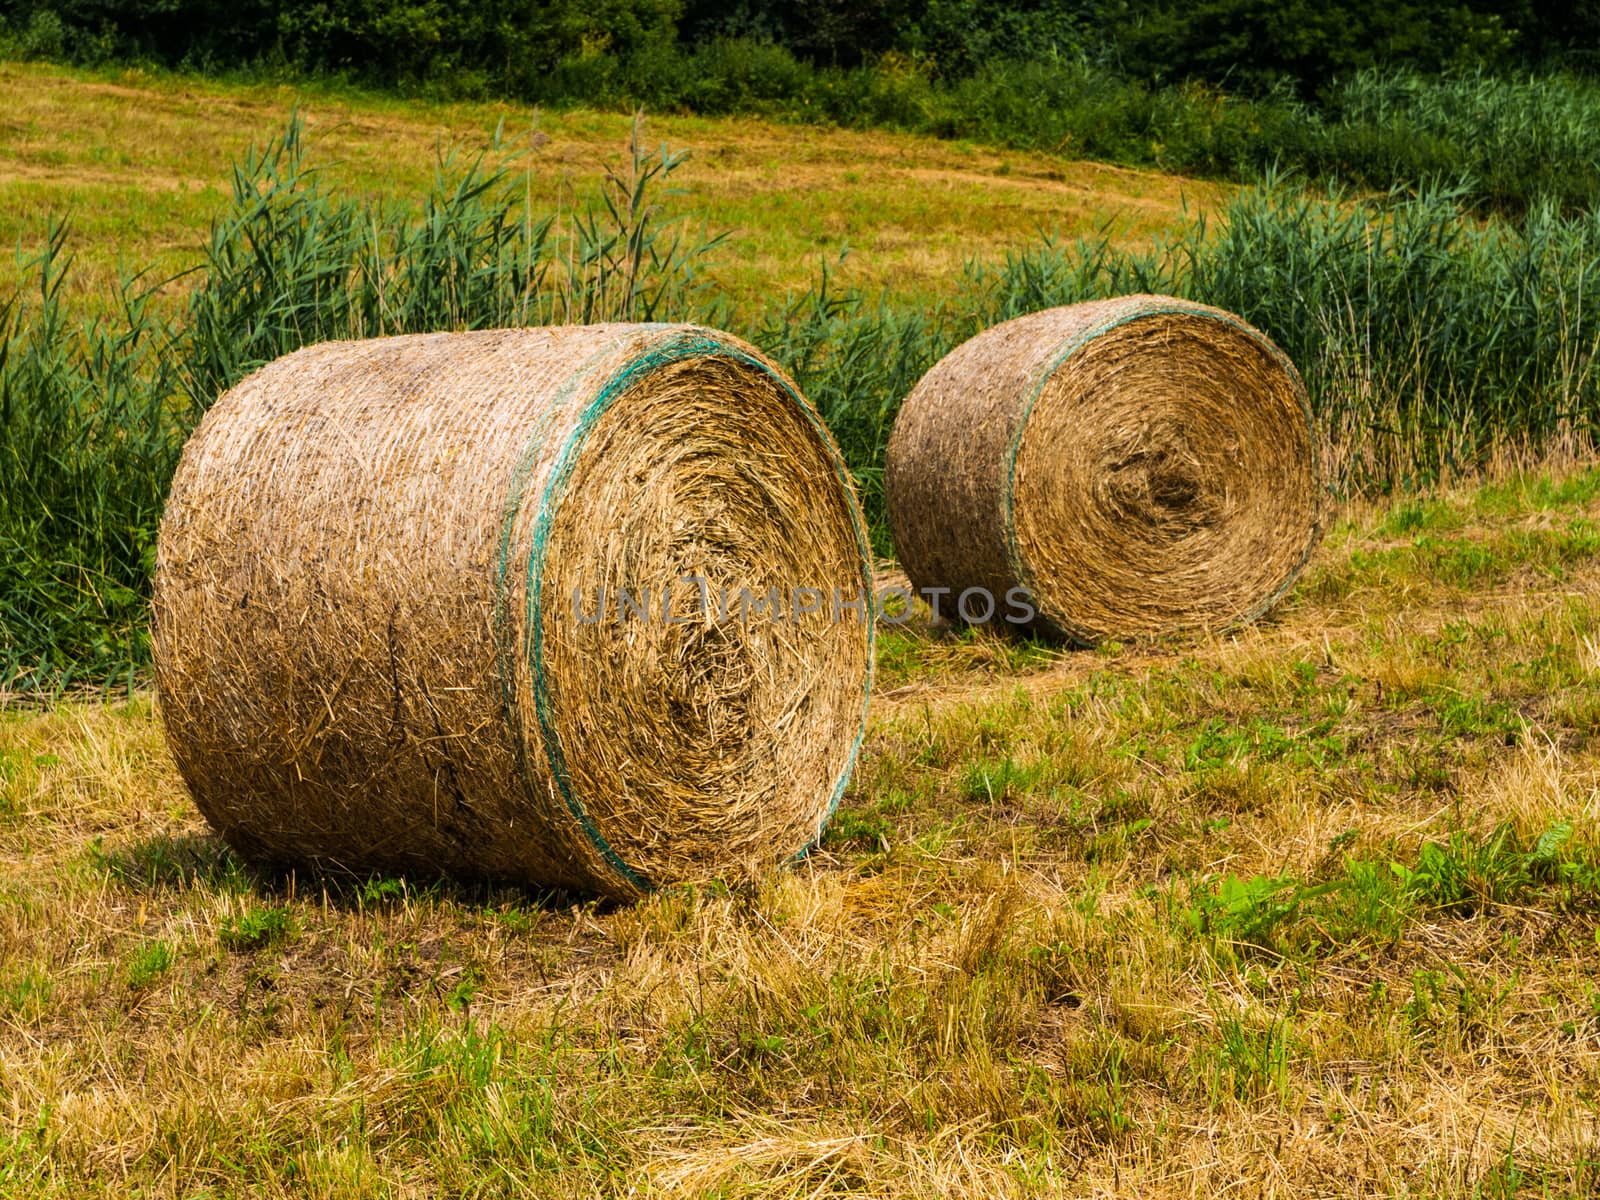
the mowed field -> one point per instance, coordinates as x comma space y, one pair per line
140, 165
1304, 911
1310, 909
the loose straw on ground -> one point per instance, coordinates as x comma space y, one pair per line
524, 604
1141, 465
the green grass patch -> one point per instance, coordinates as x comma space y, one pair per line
26, 992
148, 964
1525, 493
257, 929
1371, 900
1418, 515
171, 861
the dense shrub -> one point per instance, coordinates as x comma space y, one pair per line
1510, 140
1252, 46
462, 46
1344, 89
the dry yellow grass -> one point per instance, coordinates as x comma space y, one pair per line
142, 163
1109, 923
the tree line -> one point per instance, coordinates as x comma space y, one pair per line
532, 49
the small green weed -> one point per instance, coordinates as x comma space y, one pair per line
1371, 900
1463, 564
1471, 716
1448, 1002
1221, 743
1466, 872
464, 990
852, 827
381, 890
148, 963
26, 994
995, 781
1250, 909
1248, 1062
256, 929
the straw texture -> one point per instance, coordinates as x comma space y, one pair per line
468, 603
1142, 465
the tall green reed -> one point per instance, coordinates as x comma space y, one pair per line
1432, 343
93, 413
292, 262
1510, 143
90, 425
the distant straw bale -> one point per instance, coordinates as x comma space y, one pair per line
502, 604
1142, 466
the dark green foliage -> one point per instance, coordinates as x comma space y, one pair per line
1258, 45
954, 37
1373, 93
450, 45
1508, 141
508, 46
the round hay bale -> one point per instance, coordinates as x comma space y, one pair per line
531, 604
1141, 466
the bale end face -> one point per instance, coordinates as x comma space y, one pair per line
1141, 466
470, 603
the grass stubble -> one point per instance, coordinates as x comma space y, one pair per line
1309, 909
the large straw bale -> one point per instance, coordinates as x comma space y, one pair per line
378, 627
1141, 466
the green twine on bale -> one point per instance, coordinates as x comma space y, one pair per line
348, 672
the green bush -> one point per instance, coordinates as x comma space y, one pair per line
1509, 140
1373, 94
485, 46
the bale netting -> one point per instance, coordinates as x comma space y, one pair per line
576, 607
1141, 466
